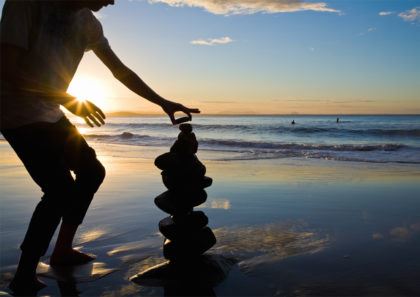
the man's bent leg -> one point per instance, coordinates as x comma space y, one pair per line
89, 175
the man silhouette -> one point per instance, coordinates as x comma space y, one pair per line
42, 43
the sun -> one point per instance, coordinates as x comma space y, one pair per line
88, 88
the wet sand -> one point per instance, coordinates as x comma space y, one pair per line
294, 226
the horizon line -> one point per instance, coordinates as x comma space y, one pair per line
133, 114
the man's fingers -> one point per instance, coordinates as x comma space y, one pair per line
193, 110
93, 119
100, 117
88, 122
93, 108
100, 112
172, 117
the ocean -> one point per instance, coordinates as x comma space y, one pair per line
377, 139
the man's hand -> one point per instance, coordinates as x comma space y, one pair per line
92, 114
171, 108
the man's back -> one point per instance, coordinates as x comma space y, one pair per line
52, 41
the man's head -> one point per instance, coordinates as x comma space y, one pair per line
93, 5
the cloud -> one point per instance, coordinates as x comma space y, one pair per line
385, 13
235, 7
369, 30
411, 15
211, 42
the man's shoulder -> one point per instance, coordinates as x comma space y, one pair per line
86, 16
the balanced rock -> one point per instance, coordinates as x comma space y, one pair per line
180, 203
183, 226
186, 231
188, 247
182, 184
186, 128
181, 165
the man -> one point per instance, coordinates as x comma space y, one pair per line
42, 43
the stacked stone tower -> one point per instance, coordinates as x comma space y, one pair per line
185, 230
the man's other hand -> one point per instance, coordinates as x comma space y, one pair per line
92, 114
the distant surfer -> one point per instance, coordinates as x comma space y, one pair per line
42, 44
293, 122
338, 120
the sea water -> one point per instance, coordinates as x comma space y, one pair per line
378, 139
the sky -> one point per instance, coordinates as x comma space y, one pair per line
262, 56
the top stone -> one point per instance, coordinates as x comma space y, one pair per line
186, 128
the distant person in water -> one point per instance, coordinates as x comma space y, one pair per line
42, 43
293, 122
338, 120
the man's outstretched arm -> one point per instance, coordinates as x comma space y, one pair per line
132, 81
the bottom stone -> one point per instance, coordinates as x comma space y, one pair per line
205, 270
184, 248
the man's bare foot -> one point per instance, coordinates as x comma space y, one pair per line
26, 286
70, 258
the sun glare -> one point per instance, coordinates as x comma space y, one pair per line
87, 88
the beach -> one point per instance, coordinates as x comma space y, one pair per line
296, 225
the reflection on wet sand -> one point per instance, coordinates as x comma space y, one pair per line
256, 245
217, 204
68, 277
91, 235
79, 274
399, 233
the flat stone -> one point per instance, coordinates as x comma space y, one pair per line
207, 182
185, 183
168, 204
183, 248
184, 226
167, 160
181, 165
195, 218
180, 203
206, 270
186, 128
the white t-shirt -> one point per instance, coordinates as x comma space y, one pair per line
55, 40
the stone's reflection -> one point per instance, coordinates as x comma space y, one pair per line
259, 244
196, 277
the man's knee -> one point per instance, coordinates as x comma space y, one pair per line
100, 173
91, 176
